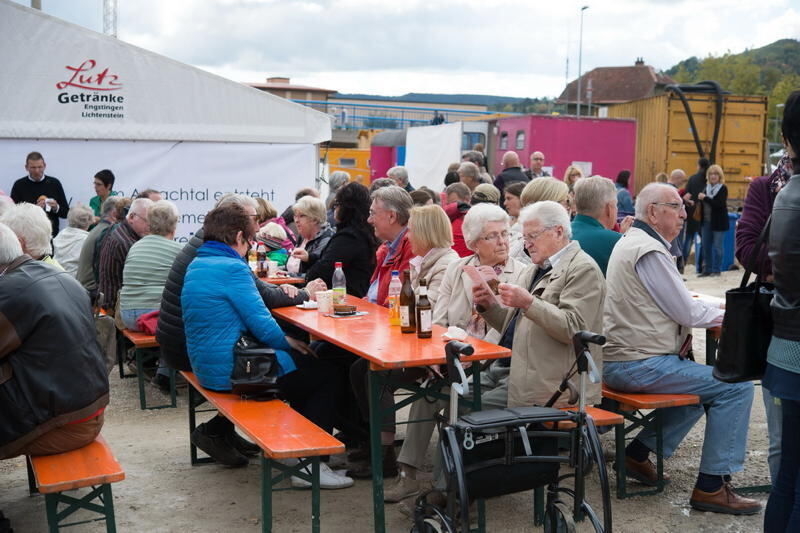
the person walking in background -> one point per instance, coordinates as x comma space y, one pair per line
715, 220
782, 376
757, 208
694, 211
624, 200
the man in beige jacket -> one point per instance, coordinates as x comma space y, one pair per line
562, 293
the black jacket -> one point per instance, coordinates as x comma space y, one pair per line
695, 185
508, 176
719, 209
52, 370
314, 247
784, 252
169, 332
357, 255
25, 190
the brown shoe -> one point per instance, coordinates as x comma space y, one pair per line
643, 471
725, 500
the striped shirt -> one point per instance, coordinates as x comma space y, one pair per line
146, 268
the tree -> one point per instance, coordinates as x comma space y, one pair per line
779, 94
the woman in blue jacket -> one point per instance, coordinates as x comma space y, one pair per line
220, 302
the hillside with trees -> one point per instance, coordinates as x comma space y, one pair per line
772, 70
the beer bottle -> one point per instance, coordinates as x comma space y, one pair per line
261, 259
408, 319
424, 312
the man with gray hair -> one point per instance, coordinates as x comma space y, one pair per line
111, 211
389, 214
32, 228
400, 177
596, 206
68, 243
561, 293
470, 175
478, 159
648, 318
511, 173
115, 249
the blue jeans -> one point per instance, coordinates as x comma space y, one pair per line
688, 241
783, 507
712, 249
728, 405
772, 406
129, 318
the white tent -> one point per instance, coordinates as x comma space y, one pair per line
88, 101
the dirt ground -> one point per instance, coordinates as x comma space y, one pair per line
163, 493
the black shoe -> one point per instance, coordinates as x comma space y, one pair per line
161, 381
704, 274
217, 447
389, 466
244, 446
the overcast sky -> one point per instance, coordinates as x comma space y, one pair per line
391, 47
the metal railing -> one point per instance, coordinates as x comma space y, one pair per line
351, 116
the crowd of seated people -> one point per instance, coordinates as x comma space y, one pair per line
562, 259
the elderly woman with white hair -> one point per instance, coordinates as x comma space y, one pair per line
68, 243
33, 229
486, 231
311, 220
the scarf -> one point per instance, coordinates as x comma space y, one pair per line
781, 175
712, 190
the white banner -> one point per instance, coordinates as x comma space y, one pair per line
62, 81
429, 151
193, 175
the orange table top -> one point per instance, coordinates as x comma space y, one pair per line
284, 281
273, 425
370, 336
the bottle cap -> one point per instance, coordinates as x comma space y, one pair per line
338, 264
395, 272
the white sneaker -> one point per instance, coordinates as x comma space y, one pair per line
328, 479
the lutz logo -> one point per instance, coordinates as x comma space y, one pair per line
84, 78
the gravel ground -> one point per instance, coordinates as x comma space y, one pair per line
163, 493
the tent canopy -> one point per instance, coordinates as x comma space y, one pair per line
66, 82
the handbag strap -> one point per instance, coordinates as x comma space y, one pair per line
752, 264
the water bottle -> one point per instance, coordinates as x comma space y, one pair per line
339, 285
395, 286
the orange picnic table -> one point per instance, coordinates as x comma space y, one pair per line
371, 337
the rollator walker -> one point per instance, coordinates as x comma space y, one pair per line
503, 451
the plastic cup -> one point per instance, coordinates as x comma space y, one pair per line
272, 269
325, 302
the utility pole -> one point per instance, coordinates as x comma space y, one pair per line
110, 17
580, 59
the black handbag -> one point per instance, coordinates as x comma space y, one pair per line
255, 369
747, 325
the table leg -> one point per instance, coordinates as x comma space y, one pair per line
711, 347
266, 493
375, 449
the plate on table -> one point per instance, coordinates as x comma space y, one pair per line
308, 306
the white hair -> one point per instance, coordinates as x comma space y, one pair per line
80, 216
6, 203
549, 214
398, 173
477, 217
241, 199
30, 224
593, 194
139, 207
10, 247
652, 193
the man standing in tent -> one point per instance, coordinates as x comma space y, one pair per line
44, 191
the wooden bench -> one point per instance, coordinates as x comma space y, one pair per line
631, 407
91, 466
143, 345
280, 432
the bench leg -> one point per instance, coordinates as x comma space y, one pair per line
141, 356
619, 443
51, 505
315, 512
538, 506
108, 503
266, 494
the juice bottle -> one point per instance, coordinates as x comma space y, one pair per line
394, 299
339, 285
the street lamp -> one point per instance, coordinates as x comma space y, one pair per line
580, 57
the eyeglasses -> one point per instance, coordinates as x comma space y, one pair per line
538, 158
677, 206
530, 237
494, 236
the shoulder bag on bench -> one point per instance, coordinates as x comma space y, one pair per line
747, 325
255, 369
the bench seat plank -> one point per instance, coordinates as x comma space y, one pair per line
601, 417
140, 339
650, 401
273, 425
93, 464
